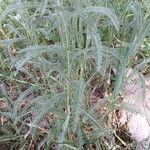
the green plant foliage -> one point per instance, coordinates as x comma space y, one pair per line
55, 48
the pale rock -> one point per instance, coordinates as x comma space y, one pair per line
138, 124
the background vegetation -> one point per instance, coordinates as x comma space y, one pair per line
63, 66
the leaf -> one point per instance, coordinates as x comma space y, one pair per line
99, 10
22, 97
70, 147
17, 6
10, 42
34, 51
98, 48
79, 97
61, 136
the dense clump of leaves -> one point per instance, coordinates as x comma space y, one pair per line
60, 46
